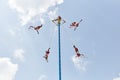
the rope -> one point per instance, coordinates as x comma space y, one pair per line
70, 38
52, 35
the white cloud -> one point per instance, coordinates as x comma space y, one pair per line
42, 21
53, 14
7, 69
28, 9
118, 78
43, 77
12, 32
79, 63
19, 54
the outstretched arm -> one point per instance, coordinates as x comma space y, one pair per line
41, 25
48, 49
80, 20
30, 27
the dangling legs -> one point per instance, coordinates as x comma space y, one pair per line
46, 58
37, 31
75, 28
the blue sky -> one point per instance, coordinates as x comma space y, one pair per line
97, 37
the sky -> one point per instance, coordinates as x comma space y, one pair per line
97, 37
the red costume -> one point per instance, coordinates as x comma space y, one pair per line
77, 51
46, 54
75, 24
36, 28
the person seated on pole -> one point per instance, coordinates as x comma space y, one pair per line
58, 20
